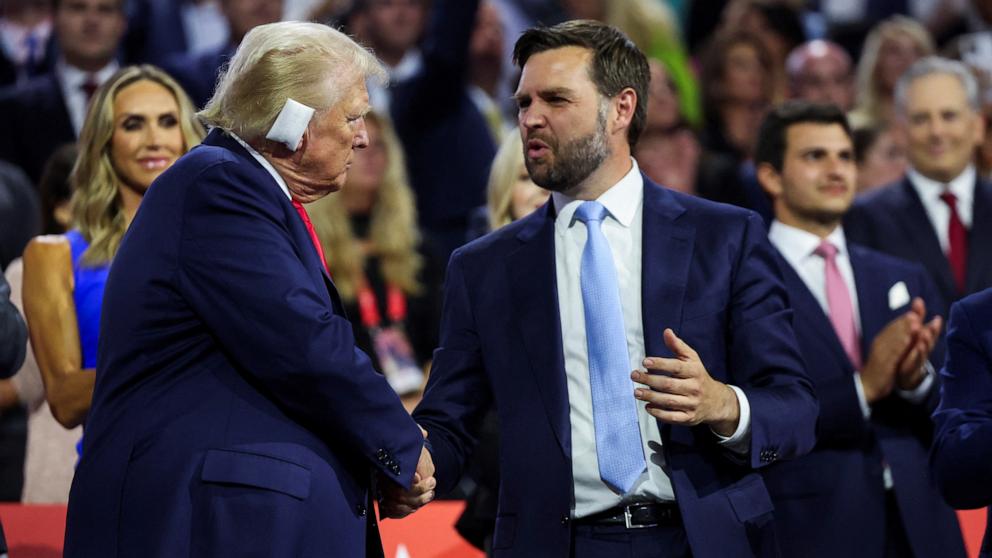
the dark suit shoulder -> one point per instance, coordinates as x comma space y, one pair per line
37, 91
886, 196
980, 303
877, 259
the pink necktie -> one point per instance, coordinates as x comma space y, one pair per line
839, 303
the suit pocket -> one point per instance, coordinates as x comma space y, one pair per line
750, 499
506, 527
256, 470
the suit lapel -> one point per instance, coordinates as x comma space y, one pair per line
534, 293
918, 231
873, 296
666, 253
808, 310
297, 229
979, 255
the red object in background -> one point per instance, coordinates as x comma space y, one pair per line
36, 531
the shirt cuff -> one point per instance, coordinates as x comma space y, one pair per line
740, 440
919, 393
862, 400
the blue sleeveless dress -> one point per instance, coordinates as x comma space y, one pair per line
87, 293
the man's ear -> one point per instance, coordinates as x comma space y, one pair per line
770, 180
626, 104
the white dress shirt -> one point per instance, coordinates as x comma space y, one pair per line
963, 186
797, 247
623, 232
71, 80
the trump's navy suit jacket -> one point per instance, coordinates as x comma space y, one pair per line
709, 273
232, 414
893, 220
962, 449
832, 502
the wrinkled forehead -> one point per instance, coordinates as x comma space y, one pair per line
564, 67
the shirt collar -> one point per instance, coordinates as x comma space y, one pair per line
73, 78
929, 190
265, 164
796, 244
621, 200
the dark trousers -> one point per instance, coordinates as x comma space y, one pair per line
896, 541
590, 541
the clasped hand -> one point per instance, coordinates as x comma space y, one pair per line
681, 391
397, 502
899, 352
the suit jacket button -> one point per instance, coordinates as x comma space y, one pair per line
564, 520
361, 510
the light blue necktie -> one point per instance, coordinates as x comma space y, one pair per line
618, 435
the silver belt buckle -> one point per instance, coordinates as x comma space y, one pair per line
629, 525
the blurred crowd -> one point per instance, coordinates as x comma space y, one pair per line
99, 97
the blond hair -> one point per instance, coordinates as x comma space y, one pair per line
96, 202
393, 231
503, 176
870, 100
310, 63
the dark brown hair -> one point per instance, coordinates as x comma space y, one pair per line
616, 62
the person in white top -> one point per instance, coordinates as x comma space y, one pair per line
865, 333
636, 341
940, 213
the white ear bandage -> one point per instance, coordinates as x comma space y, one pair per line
290, 125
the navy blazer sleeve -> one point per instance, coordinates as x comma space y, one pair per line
13, 333
962, 448
240, 271
764, 355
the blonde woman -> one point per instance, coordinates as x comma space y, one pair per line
138, 124
387, 279
512, 194
890, 49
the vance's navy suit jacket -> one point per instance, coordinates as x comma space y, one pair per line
962, 449
232, 414
893, 220
832, 502
709, 273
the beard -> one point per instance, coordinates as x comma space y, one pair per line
574, 161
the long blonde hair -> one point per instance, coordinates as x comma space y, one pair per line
393, 230
503, 176
96, 201
870, 102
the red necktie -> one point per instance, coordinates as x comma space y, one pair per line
89, 87
313, 232
957, 242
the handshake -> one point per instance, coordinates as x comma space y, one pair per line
396, 502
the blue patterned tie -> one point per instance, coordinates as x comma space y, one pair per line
618, 435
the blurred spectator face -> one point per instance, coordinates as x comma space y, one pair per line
669, 158
817, 180
822, 73
369, 166
744, 78
663, 100
486, 43
147, 138
884, 160
895, 55
585, 9
89, 31
526, 196
245, 15
942, 129
395, 25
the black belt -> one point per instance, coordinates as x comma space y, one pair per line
635, 516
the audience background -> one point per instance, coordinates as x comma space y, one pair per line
418, 193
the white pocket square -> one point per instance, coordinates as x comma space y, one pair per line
898, 296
